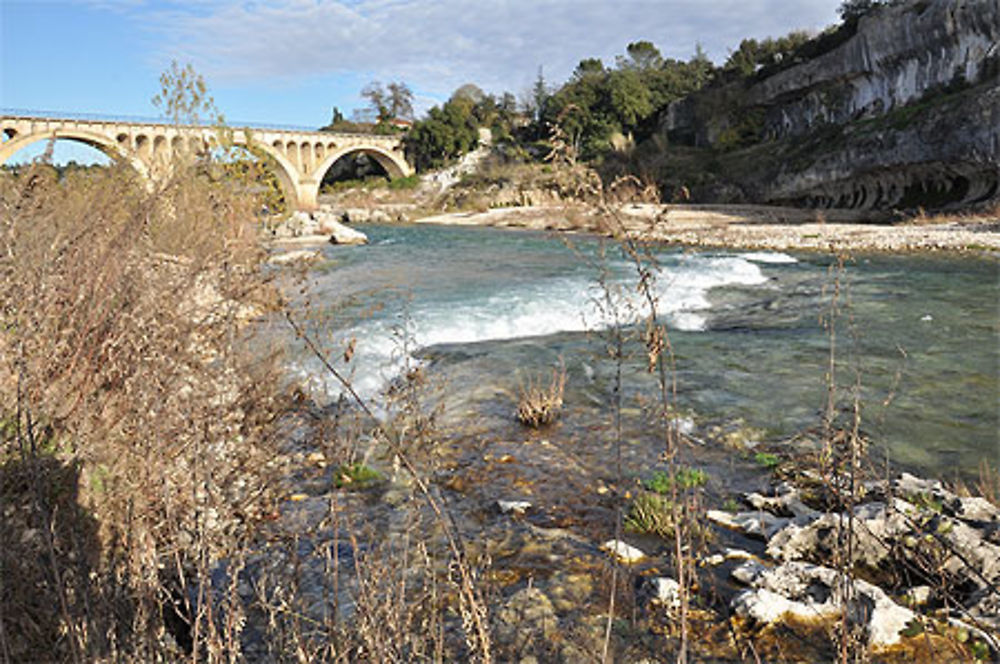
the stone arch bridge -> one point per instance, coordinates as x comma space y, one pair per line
301, 158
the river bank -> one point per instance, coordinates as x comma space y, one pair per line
751, 227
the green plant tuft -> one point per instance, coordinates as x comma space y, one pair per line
687, 478
356, 475
651, 514
767, 459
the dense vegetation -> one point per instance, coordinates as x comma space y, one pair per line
602, 108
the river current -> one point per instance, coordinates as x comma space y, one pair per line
483, 310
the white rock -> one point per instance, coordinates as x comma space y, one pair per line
766, 606
625, 552
887, 620
737, 554
667, 592
298, 256
515, 506
762, 524
908, 483
976, 509
748, 572
812, 591
341, 234
301, 217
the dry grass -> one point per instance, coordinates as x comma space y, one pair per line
143, 451
140, 439
539, 403
982, 215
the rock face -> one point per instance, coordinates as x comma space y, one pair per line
897, 55
904, 112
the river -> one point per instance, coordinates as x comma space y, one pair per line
483, 310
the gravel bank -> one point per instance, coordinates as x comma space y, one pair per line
751, 227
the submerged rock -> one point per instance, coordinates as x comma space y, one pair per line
528, 615
515, 506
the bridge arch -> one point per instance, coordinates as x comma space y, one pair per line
284, 170
116, 151
395, 167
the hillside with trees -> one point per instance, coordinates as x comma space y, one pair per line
837, 119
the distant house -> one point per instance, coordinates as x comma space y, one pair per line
400, 123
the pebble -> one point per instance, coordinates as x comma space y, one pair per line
626, 553
515, 506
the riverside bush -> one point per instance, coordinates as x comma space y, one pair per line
141, 418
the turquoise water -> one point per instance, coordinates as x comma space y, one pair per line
484, 308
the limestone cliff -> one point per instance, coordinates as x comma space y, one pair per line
904, 111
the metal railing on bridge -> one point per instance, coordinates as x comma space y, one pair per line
139, 119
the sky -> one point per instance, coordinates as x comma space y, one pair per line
289, 62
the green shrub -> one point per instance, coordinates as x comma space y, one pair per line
409, 182
651, 514
766, 459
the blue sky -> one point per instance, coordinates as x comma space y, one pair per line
292, 61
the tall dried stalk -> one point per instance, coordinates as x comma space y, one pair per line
660, 360
472, 606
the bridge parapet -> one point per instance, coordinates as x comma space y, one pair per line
302, 157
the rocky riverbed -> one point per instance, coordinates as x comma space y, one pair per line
908, 567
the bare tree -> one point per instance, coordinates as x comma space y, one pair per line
394, 100
400, 100
184, 97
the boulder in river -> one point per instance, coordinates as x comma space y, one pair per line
341, 234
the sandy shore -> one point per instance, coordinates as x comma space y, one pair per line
750, 227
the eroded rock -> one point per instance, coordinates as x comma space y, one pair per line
759, 524
811, 592
341, 234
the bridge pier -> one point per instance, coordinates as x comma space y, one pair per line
300, 158
307, 195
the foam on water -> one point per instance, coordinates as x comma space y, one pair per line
769, 257
544, 307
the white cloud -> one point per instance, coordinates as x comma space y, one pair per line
437, 45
